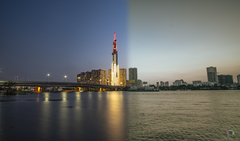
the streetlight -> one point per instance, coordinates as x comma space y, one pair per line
65, 77
48, 76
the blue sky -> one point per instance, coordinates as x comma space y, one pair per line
60, 37
165, 40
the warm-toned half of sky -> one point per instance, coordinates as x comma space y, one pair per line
177, 39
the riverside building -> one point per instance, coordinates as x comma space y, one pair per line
225, 79
93, 77
212, 74
238, 79
122, 77
133, 77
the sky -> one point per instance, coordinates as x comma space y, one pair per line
177, 39
60, 38
165, 40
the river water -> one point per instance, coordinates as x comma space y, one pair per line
117, 116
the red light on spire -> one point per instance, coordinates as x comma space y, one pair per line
115, 43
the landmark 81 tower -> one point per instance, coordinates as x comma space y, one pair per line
114, 67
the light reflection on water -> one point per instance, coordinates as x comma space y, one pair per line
46, 95
115, 115
182, 115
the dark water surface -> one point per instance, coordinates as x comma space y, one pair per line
113, 116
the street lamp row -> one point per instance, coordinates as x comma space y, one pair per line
65, 77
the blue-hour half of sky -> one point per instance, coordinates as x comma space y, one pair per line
165, 39
60, 38
177, 39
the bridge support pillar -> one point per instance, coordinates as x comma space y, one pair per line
78, 89
37, 89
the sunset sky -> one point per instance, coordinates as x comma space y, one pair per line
171, 39
165, 39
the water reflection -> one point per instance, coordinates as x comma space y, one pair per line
78, 96
45, 115
46, 96
116, 116
63, 116
64, 96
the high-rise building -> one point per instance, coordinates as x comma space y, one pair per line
114, 79
212, 74
133, 75
238, 79
122, 77
166, 84
157, 84
179, 83
161, 83
225, 79
93, 77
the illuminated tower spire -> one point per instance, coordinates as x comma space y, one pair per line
114, 43
115, 67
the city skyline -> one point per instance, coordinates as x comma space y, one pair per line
164, 40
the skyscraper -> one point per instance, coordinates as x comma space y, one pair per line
122, 77
133, 75
161, 83
166, 84
212, 74
114, 66
225, 79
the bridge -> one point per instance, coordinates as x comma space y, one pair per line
44, 85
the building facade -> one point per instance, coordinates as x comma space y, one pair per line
197, 83
93, 77
122, 77
166, 84
225, 79
139, 83
212, 74
132, 72
179, 83
161, 83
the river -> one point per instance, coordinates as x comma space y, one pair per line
120, 115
